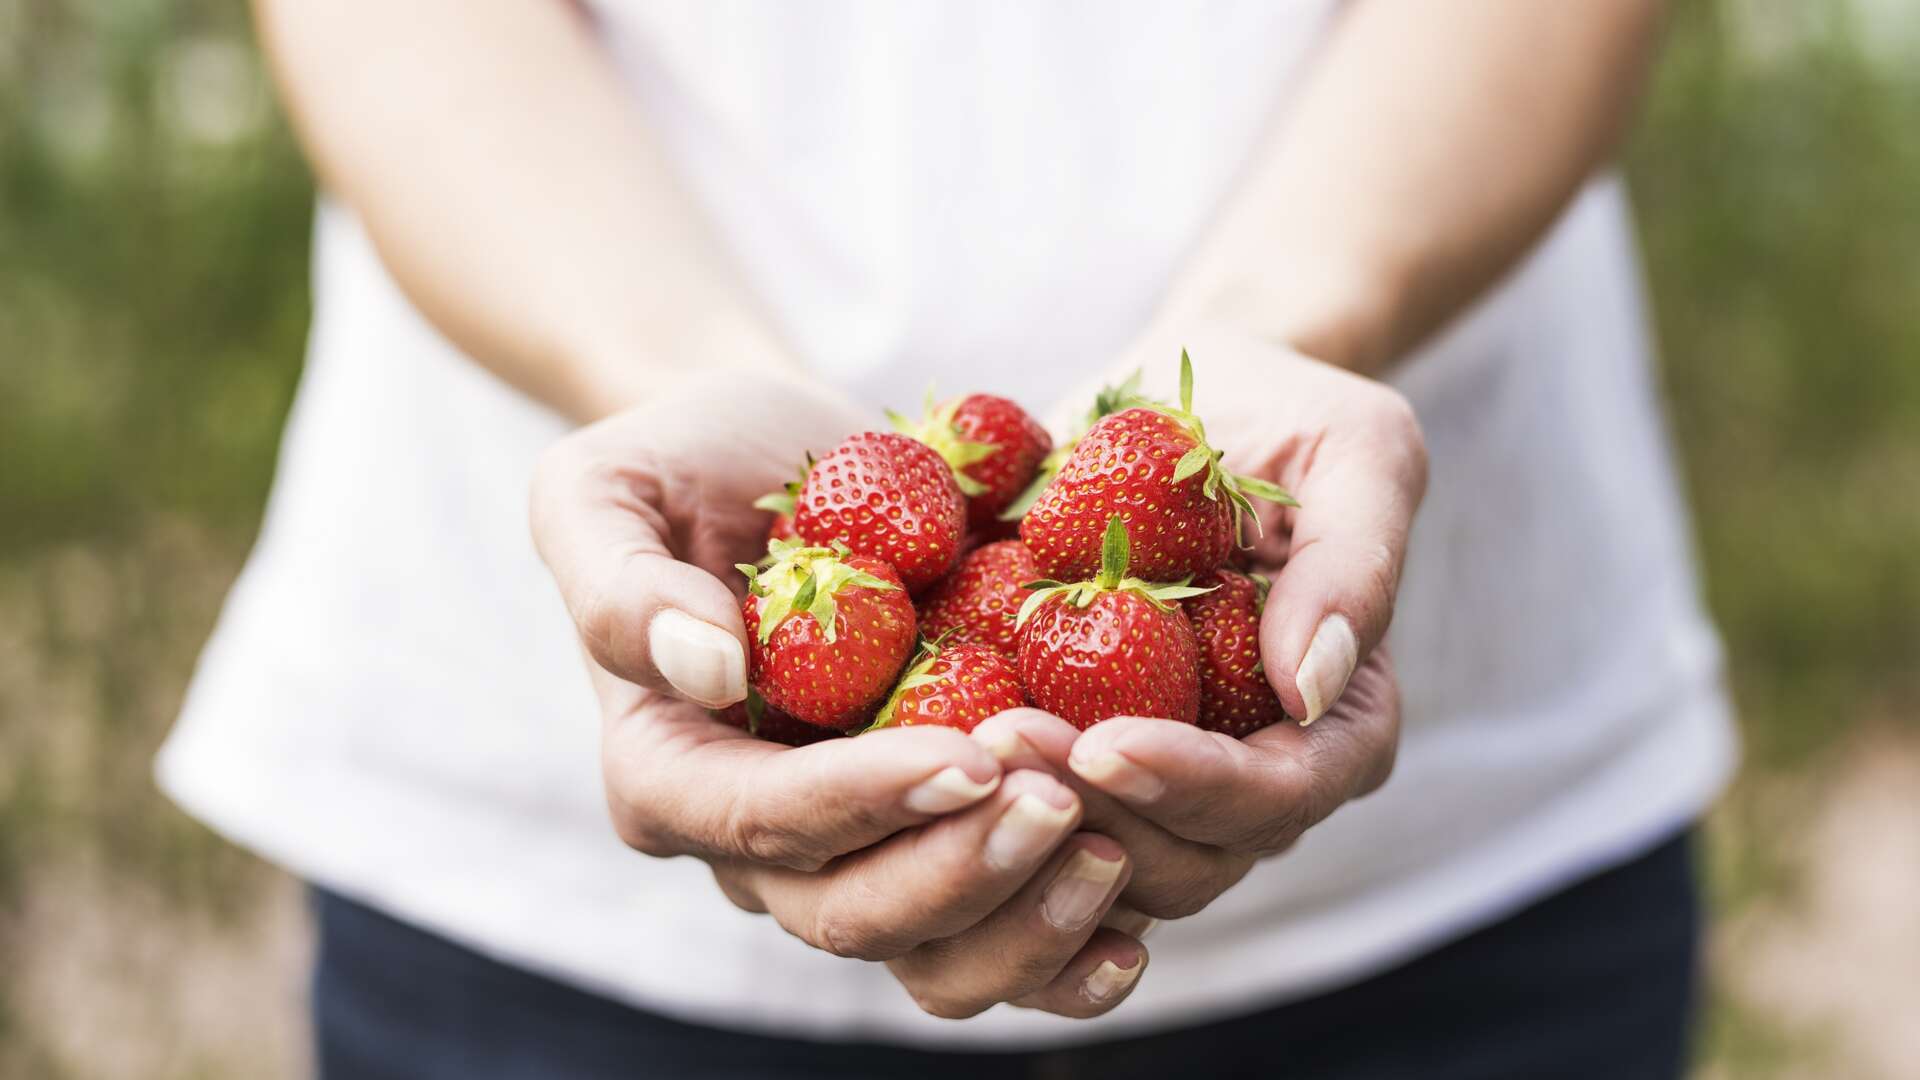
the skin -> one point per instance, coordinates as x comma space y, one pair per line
551, 243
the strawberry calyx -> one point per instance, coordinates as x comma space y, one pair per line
918, 674
1109, 400
799, 579
786, 499
1115, 552
937, 430
1239, 488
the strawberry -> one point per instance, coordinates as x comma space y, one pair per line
1112, 646
889, 497
1234, 695
1151, 465
830, 632
993, 446
954, 685
1110, 400
755, 717
977, 603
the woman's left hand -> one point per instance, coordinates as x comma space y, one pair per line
1195, 809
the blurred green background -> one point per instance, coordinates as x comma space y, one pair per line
154, 219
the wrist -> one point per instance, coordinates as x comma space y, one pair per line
629, 365
1346, 316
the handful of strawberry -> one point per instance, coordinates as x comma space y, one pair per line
1115, 600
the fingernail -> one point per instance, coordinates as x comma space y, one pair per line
1109, 981
1129, 922
1077, 891
1329, 664
948, 790
1005, 745
703, 662
1028, 830
1116, 774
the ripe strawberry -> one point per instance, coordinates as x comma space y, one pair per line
978, 602
889, 497
755, 717
994, 447
1151, 465
830, 631
1112, 646
1234, 694
1110, 400
954, 685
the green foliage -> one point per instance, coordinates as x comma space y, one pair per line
154, 218
1778, 188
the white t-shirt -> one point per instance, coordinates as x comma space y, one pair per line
992, 196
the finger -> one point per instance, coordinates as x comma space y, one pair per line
1025, 943
926, 883
1129, 920
1173, 877
1332, 600
1096, 981
1253, 796
643, 615
681, 783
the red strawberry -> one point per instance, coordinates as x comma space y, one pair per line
755, 717
830, 632
1112, 646
1110, 400
978, 602
889, 497
994, 447
955, 685
1151, 465
1234, 694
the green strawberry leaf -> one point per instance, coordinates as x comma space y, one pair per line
1262, 489
1114, 552
1186, 382
773, 609
778, 502
1190, 462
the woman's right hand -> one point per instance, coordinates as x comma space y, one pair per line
905, 845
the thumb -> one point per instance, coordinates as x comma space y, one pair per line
642, 614
1332, 600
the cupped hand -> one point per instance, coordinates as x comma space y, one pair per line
1195, 809
911, 845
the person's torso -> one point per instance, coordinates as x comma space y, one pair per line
987, 197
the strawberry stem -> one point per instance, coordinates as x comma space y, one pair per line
1114, 555
937, 430
802, 580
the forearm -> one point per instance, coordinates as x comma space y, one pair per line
513, 192
1428, 148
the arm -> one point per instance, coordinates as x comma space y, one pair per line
513, 192
503, 175
1429, 147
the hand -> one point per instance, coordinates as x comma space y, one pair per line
1196, 809
906, 845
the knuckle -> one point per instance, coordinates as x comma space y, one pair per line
763, 841
852, 937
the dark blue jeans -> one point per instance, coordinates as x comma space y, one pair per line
1595, 981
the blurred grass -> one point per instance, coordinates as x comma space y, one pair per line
154, 221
